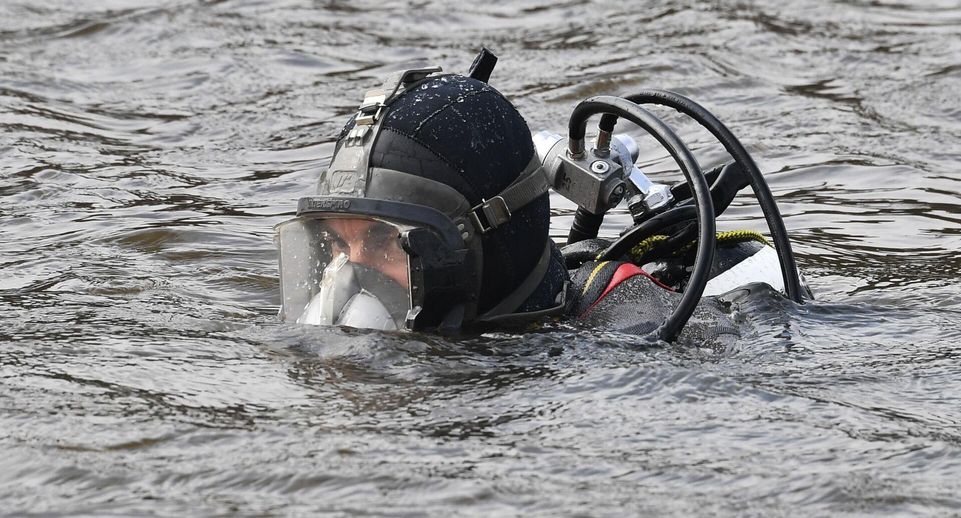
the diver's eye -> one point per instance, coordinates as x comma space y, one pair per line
380, 237
336, 242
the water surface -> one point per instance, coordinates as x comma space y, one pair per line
146, 153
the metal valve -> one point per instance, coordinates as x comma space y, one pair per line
597, 179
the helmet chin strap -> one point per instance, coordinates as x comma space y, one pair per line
504, 312
517, 297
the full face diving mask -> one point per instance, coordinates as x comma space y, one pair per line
380, 248
387, 265
353, 271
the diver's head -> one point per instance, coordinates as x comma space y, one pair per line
434, 210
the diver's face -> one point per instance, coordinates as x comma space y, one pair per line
372, 244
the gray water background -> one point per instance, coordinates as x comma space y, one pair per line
146, 152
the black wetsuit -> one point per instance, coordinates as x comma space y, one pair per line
622, 296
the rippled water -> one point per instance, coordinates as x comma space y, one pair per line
145, 154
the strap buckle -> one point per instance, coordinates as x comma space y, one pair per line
494, 211
371, 108
398, 81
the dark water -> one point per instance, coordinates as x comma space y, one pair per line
146, 153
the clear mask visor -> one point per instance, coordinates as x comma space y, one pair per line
344, 271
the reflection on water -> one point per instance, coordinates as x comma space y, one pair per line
146, 153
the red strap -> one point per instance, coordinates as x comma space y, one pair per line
623, 273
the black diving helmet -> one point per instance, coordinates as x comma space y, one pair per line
388, 249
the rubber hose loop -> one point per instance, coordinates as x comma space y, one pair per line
789, 271
707, 240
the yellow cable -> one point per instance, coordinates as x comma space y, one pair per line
730, 236
593, 274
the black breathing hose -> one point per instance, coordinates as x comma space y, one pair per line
585, 225
789, 272
639, 233
707, 239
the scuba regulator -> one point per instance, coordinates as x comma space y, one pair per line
599, 178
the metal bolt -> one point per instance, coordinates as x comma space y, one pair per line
600, 167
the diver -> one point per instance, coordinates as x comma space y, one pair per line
434, 214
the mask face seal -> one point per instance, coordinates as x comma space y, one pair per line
344, 271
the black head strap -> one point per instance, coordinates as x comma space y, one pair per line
347, 173
496, 211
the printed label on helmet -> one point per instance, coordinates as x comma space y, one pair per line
326, 204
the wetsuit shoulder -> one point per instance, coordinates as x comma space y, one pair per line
595, 280
624, 296
619, 296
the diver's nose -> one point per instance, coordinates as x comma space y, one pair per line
356, 254
360, 255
